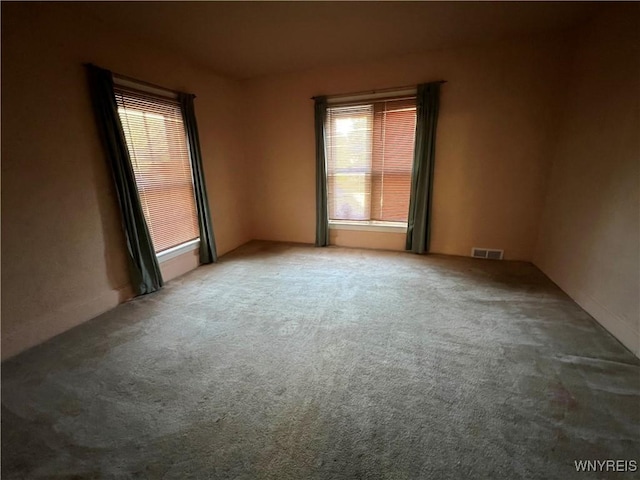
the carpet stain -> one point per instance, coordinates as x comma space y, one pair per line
563, 402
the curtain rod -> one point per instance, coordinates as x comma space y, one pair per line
138, 81
372, 92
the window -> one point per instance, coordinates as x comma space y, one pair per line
157, 144
369, 160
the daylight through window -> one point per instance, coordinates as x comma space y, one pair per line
157, 144
369, 160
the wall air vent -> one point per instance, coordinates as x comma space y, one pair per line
489, 253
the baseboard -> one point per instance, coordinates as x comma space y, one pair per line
609, 320
45, 327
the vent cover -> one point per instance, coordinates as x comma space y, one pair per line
489, 253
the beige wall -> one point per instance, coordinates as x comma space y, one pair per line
507, 111
589, 238
375, 240
62, 251
497, 116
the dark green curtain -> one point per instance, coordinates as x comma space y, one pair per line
322, 216
143, 264
208, 252
419, 222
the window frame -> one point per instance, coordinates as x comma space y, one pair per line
358, 100
152, 91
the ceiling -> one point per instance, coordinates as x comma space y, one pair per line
249, 39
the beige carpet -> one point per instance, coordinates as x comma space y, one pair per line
291, 362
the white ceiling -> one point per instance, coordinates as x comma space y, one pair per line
249, 39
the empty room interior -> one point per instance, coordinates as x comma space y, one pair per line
320, 240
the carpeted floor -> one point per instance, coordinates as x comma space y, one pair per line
290, 362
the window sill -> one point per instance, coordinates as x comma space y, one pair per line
178, 250
368, 226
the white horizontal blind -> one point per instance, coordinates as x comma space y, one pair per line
157, 144
349, 162
369, 160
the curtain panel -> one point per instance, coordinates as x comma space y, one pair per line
322, 216
208, 253
419, 222
143, 264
